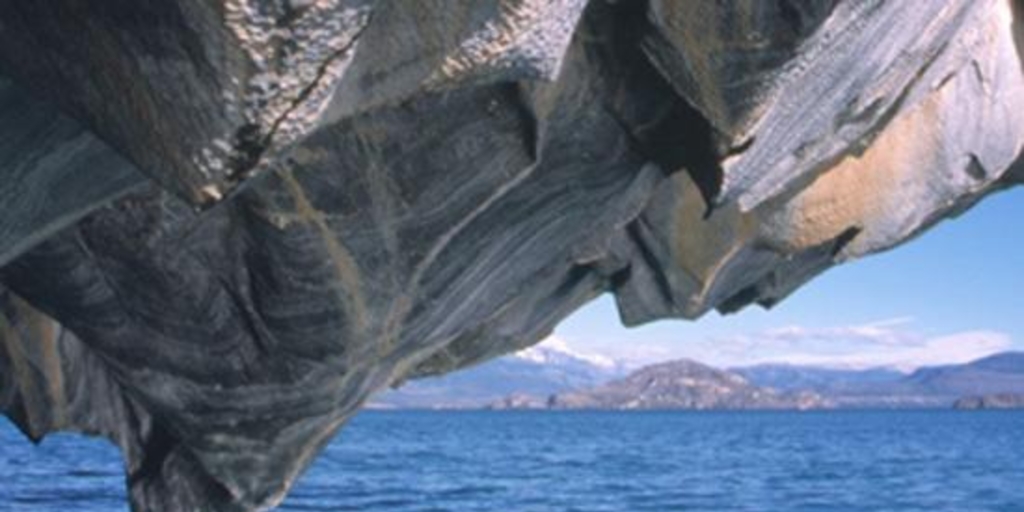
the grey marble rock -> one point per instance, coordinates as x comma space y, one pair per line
320, 199
53, 171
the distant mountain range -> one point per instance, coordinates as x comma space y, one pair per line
824, 380
1001, 373
684, 384
938, 386
539, 371
553, 376
868, 388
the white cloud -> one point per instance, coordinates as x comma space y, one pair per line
894, 343
891, 333
890, 343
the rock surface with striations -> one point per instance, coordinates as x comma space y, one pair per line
226, 223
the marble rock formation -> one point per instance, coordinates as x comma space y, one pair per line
227, 222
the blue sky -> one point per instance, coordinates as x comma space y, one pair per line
951, 295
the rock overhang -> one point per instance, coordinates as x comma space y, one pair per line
407, 188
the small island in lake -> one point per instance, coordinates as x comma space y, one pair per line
996, 401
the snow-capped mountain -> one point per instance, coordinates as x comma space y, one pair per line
548, 368
555, 351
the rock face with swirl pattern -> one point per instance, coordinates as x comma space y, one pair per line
226, 223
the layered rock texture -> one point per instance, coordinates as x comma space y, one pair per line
227, 222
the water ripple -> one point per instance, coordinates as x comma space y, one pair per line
922, 461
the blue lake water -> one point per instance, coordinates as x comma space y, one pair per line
602, 461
